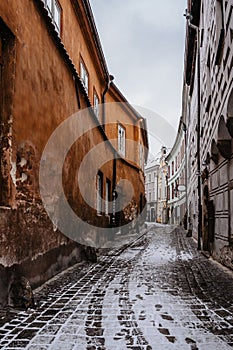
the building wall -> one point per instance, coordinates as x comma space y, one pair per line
216, 52
151, 186
162, 188
40, 89
76, 32
31, 83
176, 200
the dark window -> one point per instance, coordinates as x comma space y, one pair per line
99, 192
107, 196
219, 31
168, 192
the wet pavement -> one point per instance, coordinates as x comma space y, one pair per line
159, 293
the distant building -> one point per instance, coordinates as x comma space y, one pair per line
176, 185
151, 187
208, 116
162, 214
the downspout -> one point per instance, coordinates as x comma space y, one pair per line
77, 92
186, 171
198, 141
199, 234
114, 194
157, 193
110, 79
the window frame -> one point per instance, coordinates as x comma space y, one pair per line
107, 196
99, 193
141, 156
51, 6
96, 106
84, 75
121, 139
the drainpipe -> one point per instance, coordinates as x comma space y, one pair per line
114, 194
157, 193
199, 234
186, 171
198, 141
110, 79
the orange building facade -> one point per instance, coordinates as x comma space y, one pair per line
52, 66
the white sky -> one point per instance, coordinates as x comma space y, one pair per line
143, 43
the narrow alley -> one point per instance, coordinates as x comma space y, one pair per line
159, 293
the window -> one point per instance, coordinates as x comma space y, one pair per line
172, 167
141, 156
219, 31
121, 140
168, 193
84, 75
149, 178
107, 196
96, 106
54, 10
208, 83
172, 190
57, 16
99, 185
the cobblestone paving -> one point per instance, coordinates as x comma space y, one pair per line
160, 293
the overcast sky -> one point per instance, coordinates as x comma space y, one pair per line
143, 43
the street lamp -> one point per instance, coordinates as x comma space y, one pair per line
197, 29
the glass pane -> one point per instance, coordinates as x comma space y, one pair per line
84, 75
57, 16
96, 106
49, 6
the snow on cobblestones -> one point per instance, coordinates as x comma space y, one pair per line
159, 293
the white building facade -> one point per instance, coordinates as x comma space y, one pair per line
208, 116
176, 183
162, 214
151, 187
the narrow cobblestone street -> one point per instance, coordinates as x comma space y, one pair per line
159, 293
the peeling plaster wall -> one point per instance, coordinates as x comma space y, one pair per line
38, 94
